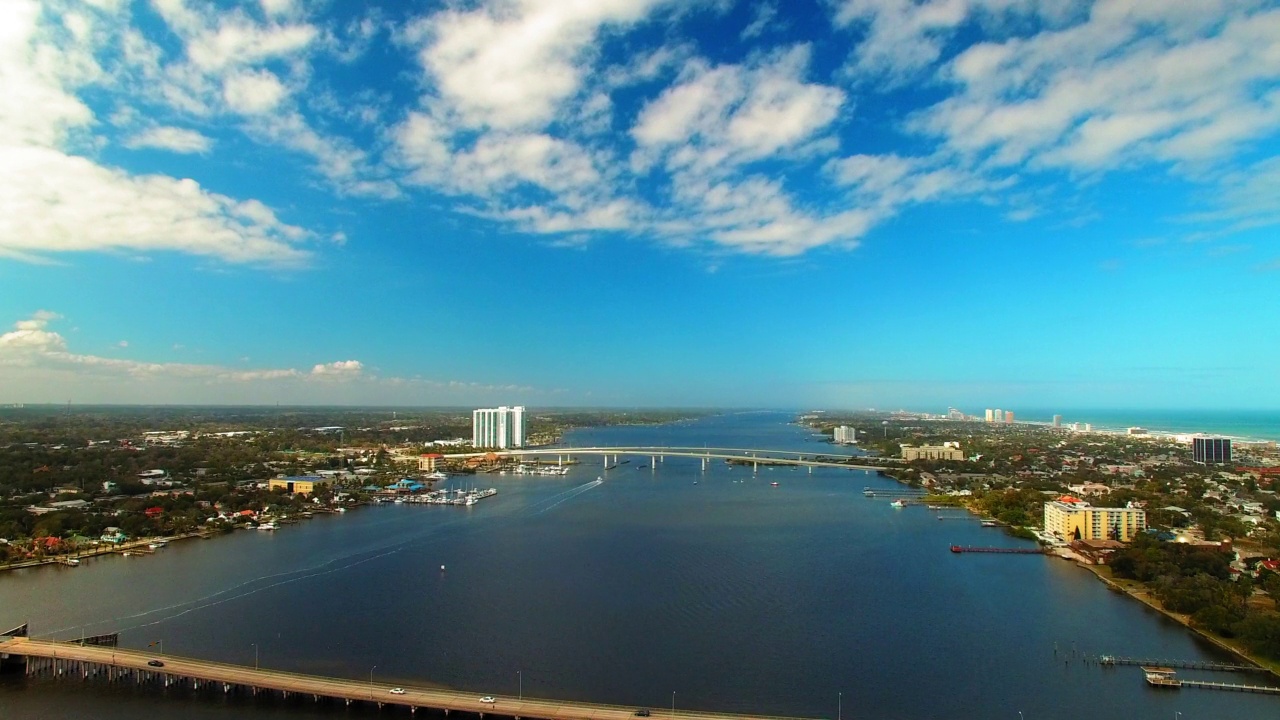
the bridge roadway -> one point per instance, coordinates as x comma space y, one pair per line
85, 660
748, 455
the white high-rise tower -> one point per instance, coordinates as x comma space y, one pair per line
501, 427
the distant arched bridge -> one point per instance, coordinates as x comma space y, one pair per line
750, 456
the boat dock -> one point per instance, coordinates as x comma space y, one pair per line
63, 660
1164, 677
1184, 664
1002, 550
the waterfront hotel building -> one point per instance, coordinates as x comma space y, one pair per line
1073, 519
501, 427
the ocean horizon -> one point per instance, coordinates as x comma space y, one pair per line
1236, 424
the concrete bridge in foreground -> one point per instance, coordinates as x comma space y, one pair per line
70, 660
747, 456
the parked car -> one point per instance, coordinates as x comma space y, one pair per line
642, 712
396, 691
488, 699
155, 663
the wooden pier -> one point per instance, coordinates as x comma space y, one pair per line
1265, 689
1163, 677
115, 665
1184, 664
1002, 550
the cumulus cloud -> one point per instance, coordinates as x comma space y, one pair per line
54, 201
32, 344
51, 202
1182, 83
699, 135
339, 369
736, 113
253, 92
510, 64
179, 140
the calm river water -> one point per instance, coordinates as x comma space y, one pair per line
731, 593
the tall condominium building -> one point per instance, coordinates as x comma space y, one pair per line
845, 435
1057, 421
1211, 450
1073, 519
501, 427
1008, 416
991, 415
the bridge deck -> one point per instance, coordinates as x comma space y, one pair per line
763, 457
338, 688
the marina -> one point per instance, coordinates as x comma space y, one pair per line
458, 496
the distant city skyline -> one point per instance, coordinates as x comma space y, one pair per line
835, 203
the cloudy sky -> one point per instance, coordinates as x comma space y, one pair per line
840, 203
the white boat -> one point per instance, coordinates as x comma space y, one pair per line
437, 475
898, 504
267, 526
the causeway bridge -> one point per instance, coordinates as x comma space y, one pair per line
69, 659
747, 456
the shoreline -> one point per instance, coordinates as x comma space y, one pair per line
100, 551
1140, 593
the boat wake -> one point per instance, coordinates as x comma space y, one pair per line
254, 586
557, 500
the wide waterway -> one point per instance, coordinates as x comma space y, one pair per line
732, 593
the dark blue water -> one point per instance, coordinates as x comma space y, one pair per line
732, 593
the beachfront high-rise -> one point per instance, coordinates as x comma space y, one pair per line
500, 427
844, 435
1211, 450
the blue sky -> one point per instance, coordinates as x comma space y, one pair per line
840, 203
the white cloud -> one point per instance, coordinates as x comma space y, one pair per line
888, 182
511, 64
1133, 83
278, 7
766, 15
36, 63
1247, 199
51, 202
339, 369
174, 139
253, 92
238, 41
735, 113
